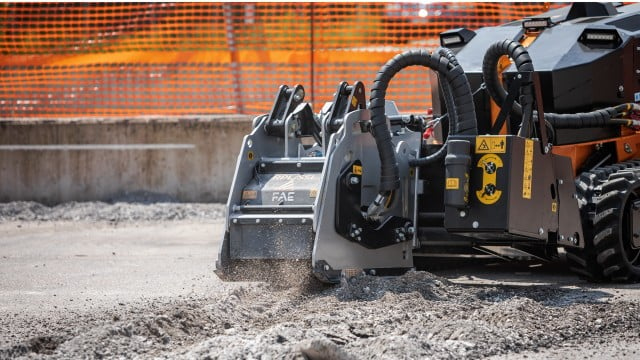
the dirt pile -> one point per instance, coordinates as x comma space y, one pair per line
417, 315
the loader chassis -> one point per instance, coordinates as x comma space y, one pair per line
525, 162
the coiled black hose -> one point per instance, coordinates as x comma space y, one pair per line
522, 60
459, 102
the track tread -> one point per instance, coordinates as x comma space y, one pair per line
602, 194
577, 259
611, 270
605, 255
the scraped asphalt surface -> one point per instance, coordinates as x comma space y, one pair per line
122, 280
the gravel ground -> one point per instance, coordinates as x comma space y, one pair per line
417, 315
118, 211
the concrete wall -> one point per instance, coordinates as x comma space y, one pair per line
190, 159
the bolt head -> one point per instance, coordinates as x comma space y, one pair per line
475, 224
463, 213
354, 180
540, 231
326, 268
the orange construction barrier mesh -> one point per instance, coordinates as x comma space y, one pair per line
126, 59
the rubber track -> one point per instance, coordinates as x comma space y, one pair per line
601, 193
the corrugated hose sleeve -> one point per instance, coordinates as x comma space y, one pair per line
464, 120
522, 60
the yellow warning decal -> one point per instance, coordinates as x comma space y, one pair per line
357, 170
453, 184
249, 195
554, 206
354, 101
491, 144
527, 176
489, 193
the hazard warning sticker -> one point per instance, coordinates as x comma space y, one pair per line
491, 144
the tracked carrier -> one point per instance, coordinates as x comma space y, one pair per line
530, 152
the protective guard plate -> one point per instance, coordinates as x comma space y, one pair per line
332, 253
570, 224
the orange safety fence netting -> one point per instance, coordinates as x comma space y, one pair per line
126, 59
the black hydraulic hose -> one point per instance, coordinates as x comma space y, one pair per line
463, 123
448, 99
522, 60
490, 73
448, 53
